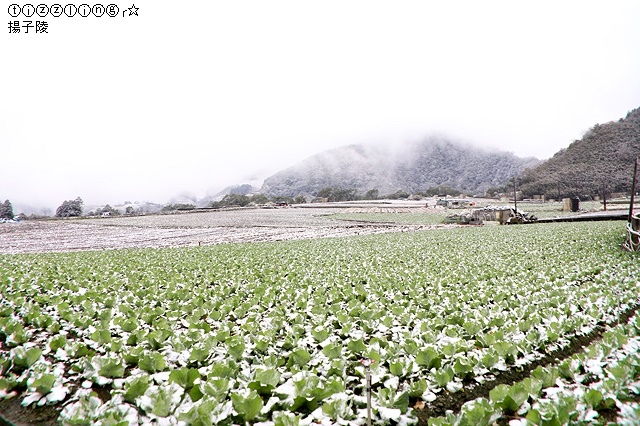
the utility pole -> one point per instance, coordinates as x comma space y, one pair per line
367, 366
515, 195
633, 190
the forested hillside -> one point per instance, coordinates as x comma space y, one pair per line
412, 167
603, 158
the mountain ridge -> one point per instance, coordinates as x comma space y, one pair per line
410, 167
602, 159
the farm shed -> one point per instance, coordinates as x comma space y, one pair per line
503, 215
492, 213
454, 203
570, 204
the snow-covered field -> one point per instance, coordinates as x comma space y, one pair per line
189, 229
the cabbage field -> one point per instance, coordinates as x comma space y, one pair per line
520, 325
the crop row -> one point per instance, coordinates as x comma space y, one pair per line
273, 332
597, 386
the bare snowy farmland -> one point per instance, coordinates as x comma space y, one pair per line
186, 229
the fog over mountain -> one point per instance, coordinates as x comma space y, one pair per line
240, 189
410, 167
255, 87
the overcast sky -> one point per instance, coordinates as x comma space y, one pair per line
198, 95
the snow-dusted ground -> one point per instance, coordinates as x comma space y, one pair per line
185, 229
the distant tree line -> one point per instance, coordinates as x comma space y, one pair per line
75, 208
6, 210
70, 208
178, 206
443, 190
110, 210
241, 200
336, 194
351, 194
332, 194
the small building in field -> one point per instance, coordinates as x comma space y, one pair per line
454, 203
